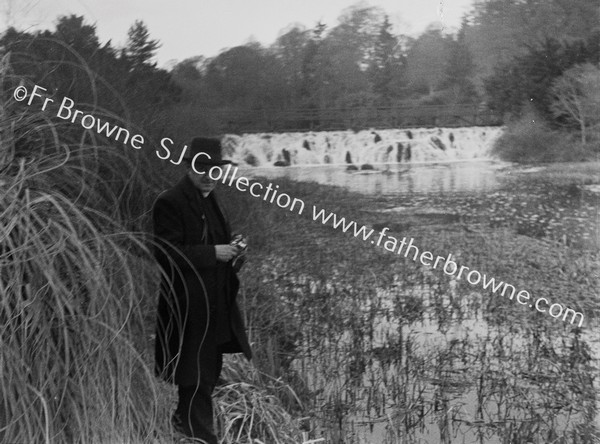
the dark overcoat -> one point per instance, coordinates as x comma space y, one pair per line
194, 312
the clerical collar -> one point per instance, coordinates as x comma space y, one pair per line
202, 194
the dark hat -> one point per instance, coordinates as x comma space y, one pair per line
211, 149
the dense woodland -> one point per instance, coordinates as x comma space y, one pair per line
509, 56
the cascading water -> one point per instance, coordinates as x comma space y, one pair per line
363, 147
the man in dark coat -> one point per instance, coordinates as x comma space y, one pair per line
198, 317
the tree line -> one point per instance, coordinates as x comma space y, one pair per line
507, 56
70, 61
504, 54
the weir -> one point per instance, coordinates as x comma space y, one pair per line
362, 147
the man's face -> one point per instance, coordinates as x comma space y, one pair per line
203, 181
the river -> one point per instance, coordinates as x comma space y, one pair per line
432, 365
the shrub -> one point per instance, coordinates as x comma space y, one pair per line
531, 140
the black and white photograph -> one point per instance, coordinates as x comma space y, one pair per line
300, 222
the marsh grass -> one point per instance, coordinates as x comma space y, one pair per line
347, 324
249, 406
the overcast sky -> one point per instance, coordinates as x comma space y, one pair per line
188, 28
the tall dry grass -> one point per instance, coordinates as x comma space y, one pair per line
74, 286
73, 367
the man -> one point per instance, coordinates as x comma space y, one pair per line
198, 317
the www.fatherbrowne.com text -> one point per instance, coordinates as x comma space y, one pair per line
390, 243
450, 267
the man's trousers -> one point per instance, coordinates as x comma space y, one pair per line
194, 414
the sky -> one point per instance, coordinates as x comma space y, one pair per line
187, 28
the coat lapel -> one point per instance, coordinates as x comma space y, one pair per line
197, 208
194, 203
223, 214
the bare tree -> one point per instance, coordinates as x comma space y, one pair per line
577, 96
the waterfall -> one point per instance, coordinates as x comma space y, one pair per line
362, 147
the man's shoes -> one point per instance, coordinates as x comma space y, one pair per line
183, 433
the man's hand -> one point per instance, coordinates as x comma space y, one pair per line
226, 252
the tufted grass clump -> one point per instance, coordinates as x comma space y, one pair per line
249, 406
73, 292
75, 285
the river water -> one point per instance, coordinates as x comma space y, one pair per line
390, 179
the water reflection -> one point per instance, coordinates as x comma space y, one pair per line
480, 176
416, 363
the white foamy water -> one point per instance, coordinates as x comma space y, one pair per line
367, 146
